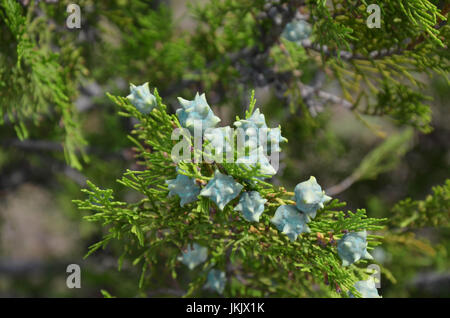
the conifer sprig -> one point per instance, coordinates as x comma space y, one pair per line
156, 228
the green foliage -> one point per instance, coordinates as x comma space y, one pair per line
408, 107
385, 157
156, 229
234, 42
140, 42
375, 71
32, 78
231, 47
408, 245
106, 294
433, 211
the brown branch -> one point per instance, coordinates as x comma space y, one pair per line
347, 56
307, 91
374, 55
341, 186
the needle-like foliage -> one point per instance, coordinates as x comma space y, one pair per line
157, 225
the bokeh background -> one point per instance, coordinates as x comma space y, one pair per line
41, 231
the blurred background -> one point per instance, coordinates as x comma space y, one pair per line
164, 43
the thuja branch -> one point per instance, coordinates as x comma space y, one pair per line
225, 216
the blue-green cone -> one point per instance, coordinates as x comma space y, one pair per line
196, 111
251, 204
221, 189
352, 247
184, 187
141, 98
310, 197
297, 31
290, 221
216, 281
195, 255
366, 288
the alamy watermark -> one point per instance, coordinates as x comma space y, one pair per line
375, 274
73, 21
226, 144
374, 19
74, 278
